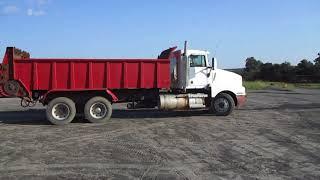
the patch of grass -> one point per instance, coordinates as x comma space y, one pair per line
282, 85
308, 85
255, 85
258, 85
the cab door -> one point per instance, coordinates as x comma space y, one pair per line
198, 72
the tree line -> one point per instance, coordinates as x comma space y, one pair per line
304, 71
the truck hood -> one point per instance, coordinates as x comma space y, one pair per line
227, 75
228, 81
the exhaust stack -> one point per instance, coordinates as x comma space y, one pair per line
185, 48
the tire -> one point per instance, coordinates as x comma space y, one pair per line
98, 110
11, 87
223, 104
61, 111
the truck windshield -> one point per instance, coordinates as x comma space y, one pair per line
197, 61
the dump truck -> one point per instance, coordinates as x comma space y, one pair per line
176, 80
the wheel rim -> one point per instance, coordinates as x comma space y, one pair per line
221, 105
98, 110
60, 111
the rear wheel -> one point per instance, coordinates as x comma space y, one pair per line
61, 111
98, 110
223, 104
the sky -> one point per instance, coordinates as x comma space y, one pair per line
232, 30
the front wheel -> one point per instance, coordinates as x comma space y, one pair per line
98, 110
223, 104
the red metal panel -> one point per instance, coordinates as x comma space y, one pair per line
164, 75
71, 75
90, 79
132, 72
23, 73
35, 76
157, 75
98, 74
124, 76
141, 75
80, 70
62, 75
115, 79
149, 75
53, 77
44, 76
107, 74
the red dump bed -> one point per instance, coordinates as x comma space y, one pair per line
86, 74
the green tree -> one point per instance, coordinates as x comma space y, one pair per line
305, 67
266, 72
317, 61
277, 72
277, 76
252, 64
317, 68
252, 68
287, 72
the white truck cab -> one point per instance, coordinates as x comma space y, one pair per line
198, 83
203, 73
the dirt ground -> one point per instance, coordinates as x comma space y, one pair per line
276, 136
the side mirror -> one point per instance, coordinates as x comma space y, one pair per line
214, 63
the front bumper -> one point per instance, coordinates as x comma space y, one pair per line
241, 100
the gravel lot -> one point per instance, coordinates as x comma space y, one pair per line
276, 136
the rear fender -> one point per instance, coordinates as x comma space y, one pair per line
114, 97
67, 92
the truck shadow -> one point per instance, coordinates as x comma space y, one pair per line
38, 116
29, 117
154, 113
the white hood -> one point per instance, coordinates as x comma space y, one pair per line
226, 80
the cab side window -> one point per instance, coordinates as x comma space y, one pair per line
197, 61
